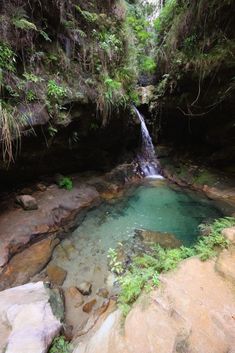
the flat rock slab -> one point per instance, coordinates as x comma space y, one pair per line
57, 211
193, 311
27, 323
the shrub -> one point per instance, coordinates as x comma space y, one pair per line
148, 64
66, 183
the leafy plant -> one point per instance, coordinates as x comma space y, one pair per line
60, 345
20, 20
88, 16
55, 91
148, 64
31, 95
23, 23
109, 42
65, 183
116, 266
52, 131
30, 77
7, 58
112, 87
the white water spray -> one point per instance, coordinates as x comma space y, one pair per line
147, 158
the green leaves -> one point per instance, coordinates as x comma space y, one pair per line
7, 58
23, 23
60, 345
65, 183
148, 64
55, 91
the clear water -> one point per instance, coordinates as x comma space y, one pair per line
161, 208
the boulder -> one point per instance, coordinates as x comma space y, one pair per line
27, 323
85, 288
56, 275
166, 240
27, 202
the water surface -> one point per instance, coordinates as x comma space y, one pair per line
162, 208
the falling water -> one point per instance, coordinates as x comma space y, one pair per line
147, 158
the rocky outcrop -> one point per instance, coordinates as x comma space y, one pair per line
217, 185
192, 311
28, 263
27, 323
58, 211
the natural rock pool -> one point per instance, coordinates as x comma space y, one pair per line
153, 205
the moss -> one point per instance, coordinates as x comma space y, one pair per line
191, 46
205, 178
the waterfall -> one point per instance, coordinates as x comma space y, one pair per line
147, 159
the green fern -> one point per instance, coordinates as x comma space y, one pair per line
24, 24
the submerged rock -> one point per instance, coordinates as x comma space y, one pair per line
27, 323
87, 308
85, 288
27, 202
166, 240
56, 275
103, 292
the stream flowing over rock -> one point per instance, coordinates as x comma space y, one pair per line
27, 323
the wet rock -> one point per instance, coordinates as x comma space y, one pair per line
27, 202
28, 263
166, 240
27, 323
57, 302
41, 187
103, 292
56, 275
87, 308
146, 94
85, 288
